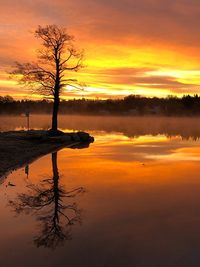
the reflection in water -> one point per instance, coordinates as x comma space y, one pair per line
145, 189
26, 170
46, 201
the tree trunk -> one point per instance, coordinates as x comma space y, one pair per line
56, 94
56, 103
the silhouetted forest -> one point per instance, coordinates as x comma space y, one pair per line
130, 105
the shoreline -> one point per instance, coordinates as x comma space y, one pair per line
18, 148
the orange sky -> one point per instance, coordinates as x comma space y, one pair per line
146, 47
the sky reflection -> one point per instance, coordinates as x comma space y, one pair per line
141, 206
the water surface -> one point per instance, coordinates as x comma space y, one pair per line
131, 199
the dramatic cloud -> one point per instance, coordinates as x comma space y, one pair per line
126, 42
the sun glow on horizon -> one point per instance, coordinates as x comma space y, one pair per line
140, 59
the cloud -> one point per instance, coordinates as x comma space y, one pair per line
167, 21
140, 77
124, 40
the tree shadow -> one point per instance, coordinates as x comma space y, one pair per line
47, 202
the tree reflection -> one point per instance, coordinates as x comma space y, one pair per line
47, 202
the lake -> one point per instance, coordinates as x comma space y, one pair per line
132, 198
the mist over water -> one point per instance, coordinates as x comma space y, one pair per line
128, 126
130, 199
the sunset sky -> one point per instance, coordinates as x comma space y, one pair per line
145, 47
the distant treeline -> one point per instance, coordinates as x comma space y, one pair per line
130, 105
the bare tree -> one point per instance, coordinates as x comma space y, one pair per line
49, 75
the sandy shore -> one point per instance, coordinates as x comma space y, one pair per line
19, 147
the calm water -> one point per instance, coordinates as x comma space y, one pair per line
131, 199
